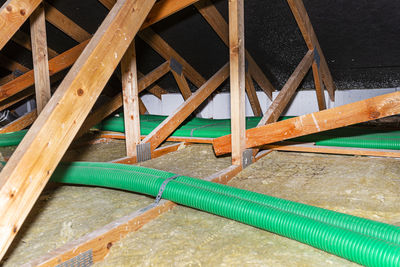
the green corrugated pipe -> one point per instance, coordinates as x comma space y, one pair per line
12, 139
247, 207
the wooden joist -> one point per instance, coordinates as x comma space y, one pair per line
162, 131
237, 79
100, 241
218, 23
286, 93
130, 93
252, 95
319, 86
33, 162
13, 14
307, 30
182, 84
361, 111
40, 58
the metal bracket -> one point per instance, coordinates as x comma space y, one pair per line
162, 188
82, 260
317, 58
247, 157
175, 66
17, 73
143, 152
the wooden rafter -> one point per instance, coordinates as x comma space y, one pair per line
361, 111
218, 23
38, 154
13, 14
286, 93
162, 131
307, 30
20, 123
40, 58
182, 84
252, 95
319, 86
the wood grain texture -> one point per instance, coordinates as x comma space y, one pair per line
13, 14
35, 159
287, 92
40, 58
237, 79
361, 111
162, 131
182, 84
20, 123
130, 92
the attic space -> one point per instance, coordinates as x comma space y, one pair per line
199, 133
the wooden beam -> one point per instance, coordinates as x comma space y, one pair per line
20, 123
33, 162
65, 24
252, 96
288, 90
40, 58
167, 52
361, 111
56, 65
13, 14
162, 131
218, 23
237, 79
12, 65
157, 91
130, 92
24, 40
100, 241
311, 148
319, 86
307, 30
182, 84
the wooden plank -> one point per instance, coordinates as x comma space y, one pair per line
142, 107
130, 92
307, 30
65, 24
252, 96
319, 86
40, 58
160, 10
157, 91
167, 52
162, 131
218, 23
100, 241
361, 111
13, 14
33, 162
237, 80
12, 65
20, 123
311, 148
24, 40
286, 94
56, 65
182, 84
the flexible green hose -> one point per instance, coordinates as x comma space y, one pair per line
243, 206
12, 139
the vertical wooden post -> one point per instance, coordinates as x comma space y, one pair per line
319, 86
40, 58
237, 73
130, 93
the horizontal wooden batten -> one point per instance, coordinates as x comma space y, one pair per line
361, 111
